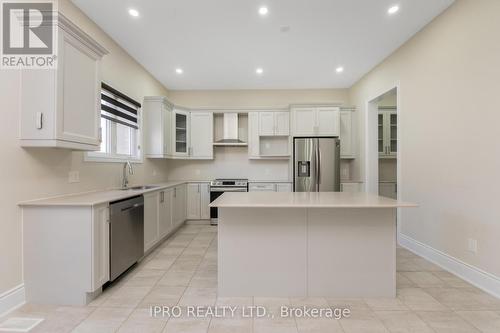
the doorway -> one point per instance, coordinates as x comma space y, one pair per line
382, 163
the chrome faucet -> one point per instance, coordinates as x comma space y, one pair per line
130, 171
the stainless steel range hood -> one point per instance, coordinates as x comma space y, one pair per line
230, 134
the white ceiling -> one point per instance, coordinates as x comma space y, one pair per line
220, 43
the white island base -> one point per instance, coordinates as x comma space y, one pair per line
311, 249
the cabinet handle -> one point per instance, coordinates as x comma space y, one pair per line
198, 188
39, 120
175, 192
162, 196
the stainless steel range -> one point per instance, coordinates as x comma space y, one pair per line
219, 186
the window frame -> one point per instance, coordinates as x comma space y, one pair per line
112, 156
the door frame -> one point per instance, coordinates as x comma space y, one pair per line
371, 147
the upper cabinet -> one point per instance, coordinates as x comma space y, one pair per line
347, 138
157, 127
268, 134
181, 133
387, 133
274, 123
176, 134
316, 121
61, 107
201, 142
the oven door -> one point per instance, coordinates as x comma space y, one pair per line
216, 192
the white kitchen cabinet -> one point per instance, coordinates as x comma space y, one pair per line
388, 189
205, 201
100, 248
157, 127
193, 201
201, 135
387, 133
61, 107
351, 187
180, 133
164, 212
284, 187
347, 139
318, 121
198, 199
274, 123
151, 232
253, 135
179, 205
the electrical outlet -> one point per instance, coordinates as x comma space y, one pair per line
472, 245
74, 177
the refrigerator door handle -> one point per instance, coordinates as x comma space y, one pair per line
316, 160
319, 166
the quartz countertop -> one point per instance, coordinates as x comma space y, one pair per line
98, 197
306, 200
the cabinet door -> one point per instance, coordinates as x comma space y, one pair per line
179, 205
304, 122
346, 135
283, 187
253, 134
381, 134
281, 123
193, 202
180, 132
151, 232
201, 135
328, 122
392, 133
79, 96
205, 201
167, 131
100, 246
164, 213
266, 123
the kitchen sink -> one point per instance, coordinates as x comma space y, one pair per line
139, 188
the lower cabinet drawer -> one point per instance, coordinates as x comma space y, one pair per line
263, 187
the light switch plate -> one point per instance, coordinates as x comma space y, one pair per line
472, 245
74, 177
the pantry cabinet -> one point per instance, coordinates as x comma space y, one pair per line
316, 121
387, 133
61, 107
198, 199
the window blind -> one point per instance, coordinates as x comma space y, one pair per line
118, 107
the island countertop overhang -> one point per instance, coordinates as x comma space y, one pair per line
306, 200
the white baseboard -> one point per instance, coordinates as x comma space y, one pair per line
475, 276
12, 299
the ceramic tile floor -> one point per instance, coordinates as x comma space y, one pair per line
183, 271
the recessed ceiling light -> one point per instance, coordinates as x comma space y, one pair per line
393, 10
339, 69
133, 12
259, 71
263, 11
179, 70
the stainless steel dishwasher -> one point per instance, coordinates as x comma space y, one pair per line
126, 234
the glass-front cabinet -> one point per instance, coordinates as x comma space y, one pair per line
387, 132
181, 135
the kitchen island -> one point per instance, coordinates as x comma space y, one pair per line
325, 244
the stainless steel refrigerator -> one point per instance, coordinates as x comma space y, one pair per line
316, 164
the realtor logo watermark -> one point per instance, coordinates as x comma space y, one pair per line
29, 35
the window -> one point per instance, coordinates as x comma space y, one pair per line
120, 128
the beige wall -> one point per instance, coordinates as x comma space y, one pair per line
256, 98
233, 162
34, 173
449, 87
